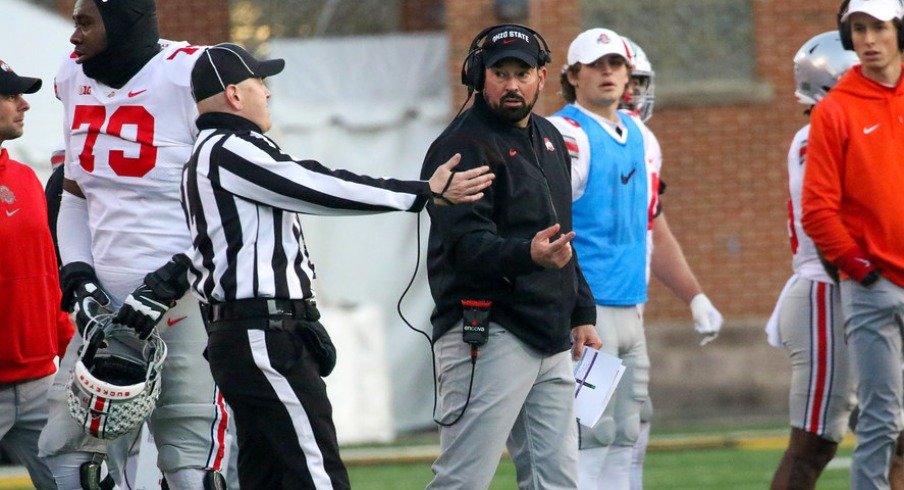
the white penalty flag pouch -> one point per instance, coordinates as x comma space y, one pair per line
596, 375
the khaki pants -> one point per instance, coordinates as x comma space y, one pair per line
521, 399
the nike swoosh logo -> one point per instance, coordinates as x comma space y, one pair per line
508, 41
870, 129
133, 94
172, 321
626, 178
10, 213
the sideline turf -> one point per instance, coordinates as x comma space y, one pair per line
699, 469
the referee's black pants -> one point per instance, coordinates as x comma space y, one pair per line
283, 417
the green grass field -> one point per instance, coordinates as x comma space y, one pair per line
717, 469
719, 456
706, 459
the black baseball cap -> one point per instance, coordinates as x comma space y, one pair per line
226, 64
12, 84
510, 41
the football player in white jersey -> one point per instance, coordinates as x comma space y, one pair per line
606, 450
129, 128
807, 319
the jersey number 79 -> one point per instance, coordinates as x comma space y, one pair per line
94, 116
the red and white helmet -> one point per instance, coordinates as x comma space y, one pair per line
818, 65
642, 97
116, 381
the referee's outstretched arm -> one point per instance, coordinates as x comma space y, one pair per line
251, 166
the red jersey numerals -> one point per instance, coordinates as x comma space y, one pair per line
127, 116
189, 50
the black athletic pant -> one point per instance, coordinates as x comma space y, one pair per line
283, 418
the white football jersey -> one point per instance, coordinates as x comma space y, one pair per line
126, 148
806, 261
653, 155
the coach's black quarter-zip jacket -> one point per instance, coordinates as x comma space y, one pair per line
482, 251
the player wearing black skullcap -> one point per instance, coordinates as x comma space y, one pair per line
132, 40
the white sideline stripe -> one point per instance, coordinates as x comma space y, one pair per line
313, 456
839, 464
13, 471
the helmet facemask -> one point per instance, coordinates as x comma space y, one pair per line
116, 381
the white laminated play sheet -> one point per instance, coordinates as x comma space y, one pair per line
596, 375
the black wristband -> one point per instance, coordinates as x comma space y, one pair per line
439, 195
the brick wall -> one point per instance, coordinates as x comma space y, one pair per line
558, 21
197, 21
724, 164
725, 167
421, 15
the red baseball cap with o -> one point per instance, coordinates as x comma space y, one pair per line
12, 84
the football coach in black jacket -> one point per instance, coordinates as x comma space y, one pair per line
510, 298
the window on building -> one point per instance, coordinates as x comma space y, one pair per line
256, 21
702, 50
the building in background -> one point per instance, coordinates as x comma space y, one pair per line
724, 76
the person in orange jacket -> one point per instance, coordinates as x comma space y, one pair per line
853, 209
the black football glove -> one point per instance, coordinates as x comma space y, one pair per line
82, 294
146, 305
142, 310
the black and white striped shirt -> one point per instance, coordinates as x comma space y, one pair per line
241, 196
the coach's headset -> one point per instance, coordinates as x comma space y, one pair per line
844, 28
473, 70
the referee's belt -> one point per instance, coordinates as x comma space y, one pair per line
247, 309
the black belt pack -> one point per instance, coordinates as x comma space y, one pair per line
291, 315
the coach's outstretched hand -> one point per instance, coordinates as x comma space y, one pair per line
707, 319
550, 251
451, 187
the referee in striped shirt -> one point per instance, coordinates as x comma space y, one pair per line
249, 267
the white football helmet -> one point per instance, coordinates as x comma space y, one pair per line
818, 65
642, 96
116, 381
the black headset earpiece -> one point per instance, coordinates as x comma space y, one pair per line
844, 29
472, 70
